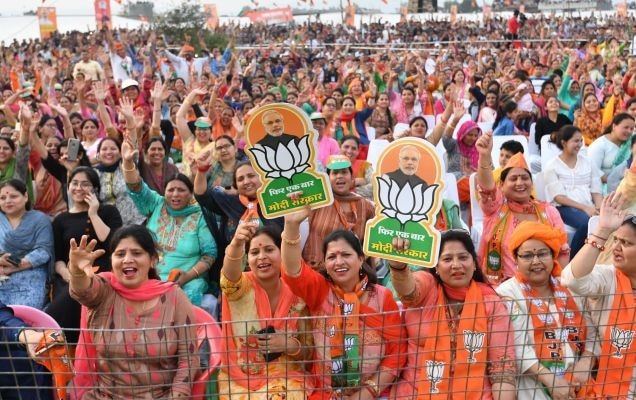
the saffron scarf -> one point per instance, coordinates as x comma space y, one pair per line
547, 340
284, 319
468, 366
251, 211
348, 125
86, 354
344, 340
618, 352
494, 254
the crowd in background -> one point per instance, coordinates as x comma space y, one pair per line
123, 167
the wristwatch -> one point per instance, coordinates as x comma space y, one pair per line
373, 387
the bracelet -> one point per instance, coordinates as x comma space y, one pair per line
593, 243
291, 242
196, 271
452, 126
240, 258
599, 237
123, 168
398, 269
373, 387
298, 351
541, 368
485, 167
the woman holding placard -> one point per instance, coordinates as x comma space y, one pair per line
351, 309
460, 342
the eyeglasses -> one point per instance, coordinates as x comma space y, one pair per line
224, 147
83, 185
541, 255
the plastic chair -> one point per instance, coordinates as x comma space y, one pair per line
549, 150
475, 211
209, 340
40, 320
592, 223
533, 147
35, 318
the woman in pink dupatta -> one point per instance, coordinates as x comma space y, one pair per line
137, 338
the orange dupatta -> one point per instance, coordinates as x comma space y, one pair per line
245, 363
468, 368
547, 341
618, 354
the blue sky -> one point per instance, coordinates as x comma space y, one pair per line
225, 7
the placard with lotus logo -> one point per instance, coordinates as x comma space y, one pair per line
282, 146
407, 188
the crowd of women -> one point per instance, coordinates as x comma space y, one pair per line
127, 205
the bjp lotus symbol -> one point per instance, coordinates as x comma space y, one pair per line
434, 373
285, 161
406, 203
621, 339
473, 342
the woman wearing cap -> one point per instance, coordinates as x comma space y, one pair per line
573, 184
197, 143
179, 227
540, 307
326, 144
358, 333
460, 341
610, 292
506, 205
349, 211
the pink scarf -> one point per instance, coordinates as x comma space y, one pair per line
469, 152
86, 354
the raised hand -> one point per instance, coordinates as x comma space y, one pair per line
128, 150
484, 144
160, 91
99, 91
82, 257
126, 108
612, 212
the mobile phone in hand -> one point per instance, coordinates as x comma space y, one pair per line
269, 356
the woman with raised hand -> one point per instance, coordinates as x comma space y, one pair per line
504, 206
349, 308
460, 342
179, 227
269, 344
137, 339
609, 289
539, 308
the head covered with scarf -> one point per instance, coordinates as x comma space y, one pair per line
553, 238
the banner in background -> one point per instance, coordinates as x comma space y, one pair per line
453, 14
271, 16
350, 15
103, 15
213, 15
47, 20
404, 10
621, 9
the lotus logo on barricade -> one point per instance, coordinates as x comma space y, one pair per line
407, 192
282, 146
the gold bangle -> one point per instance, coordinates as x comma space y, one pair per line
240, 258
485, 167
298, 351
291, 242
123, 168
196, 271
